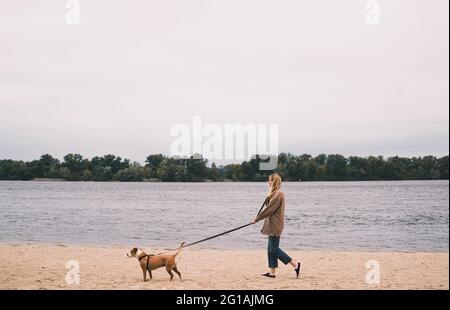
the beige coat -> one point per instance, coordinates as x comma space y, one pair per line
273, 215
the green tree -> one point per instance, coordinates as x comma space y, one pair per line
135, 173
233, 172
336, 167
442, 164
152, 163
76, 165
214, 173
14, 170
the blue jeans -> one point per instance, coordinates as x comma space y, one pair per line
274, 252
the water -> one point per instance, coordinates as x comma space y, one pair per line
392, 216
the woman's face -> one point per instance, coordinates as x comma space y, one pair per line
270, 182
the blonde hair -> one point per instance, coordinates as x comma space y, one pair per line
276, 184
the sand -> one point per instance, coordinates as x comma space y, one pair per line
44, 267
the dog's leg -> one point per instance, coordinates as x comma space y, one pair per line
169, 272
176, 270
150, 273
144, 272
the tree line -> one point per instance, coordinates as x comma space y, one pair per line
158, 167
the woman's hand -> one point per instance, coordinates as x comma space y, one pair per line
253, 222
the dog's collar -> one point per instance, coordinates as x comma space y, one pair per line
145, 255
148, 259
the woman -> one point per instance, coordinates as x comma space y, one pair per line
273, 216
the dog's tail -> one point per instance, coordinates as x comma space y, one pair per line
179, 249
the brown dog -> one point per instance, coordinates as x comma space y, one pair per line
150, 262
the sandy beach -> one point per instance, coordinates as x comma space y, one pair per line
44, 267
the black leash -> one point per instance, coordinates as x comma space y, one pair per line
264, 203
218, 235
221, 234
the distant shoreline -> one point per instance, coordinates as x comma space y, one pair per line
210, 181
158, 167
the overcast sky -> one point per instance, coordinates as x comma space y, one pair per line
118, 81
